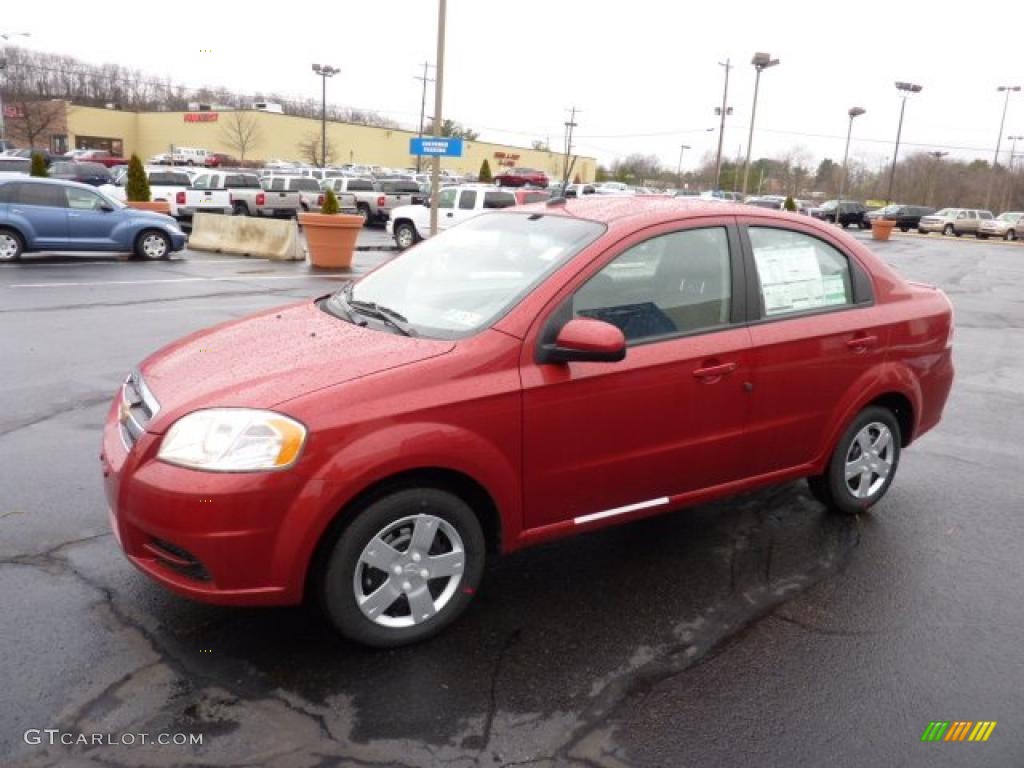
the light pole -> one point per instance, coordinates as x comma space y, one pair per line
435, 170
905, 89
679, 168
722, 112
938, 155
423, 106
761, 62
995, 160
1007, 200
6, 36
852, 112
324, 72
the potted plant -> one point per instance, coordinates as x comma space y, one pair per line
330, 235
881, 228
136, 190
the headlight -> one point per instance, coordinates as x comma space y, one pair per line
233, 440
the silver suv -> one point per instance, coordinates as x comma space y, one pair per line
954, 221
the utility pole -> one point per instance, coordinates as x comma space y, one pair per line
435, 171
569, 125
1008, 196
995, 160
938, 155
721, 127
679, 168
423, 107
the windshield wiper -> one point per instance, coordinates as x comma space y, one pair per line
390, 317
340, 302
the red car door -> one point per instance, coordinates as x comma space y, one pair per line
605, 439
815, 332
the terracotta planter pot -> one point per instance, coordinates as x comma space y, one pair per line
881, 229
157, 206
331, 238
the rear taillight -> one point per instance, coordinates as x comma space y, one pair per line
382, 201
179, 199
320, 200
261, 199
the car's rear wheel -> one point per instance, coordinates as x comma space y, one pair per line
947, 230
863, 464
922, 231
980, 236
1010, 235
11, 245
405, 235
239, 209
364, 211
152, 245
405, 568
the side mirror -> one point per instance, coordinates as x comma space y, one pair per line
107, 208
584, 339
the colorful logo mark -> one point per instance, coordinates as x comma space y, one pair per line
958, 730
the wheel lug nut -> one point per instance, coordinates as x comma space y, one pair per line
406, 586
397, 570
424, 574
416, 557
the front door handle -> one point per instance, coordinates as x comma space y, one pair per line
449, 215
715, 371
862, 343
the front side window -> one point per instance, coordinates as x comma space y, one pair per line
201, 182
446, 198
462, 280
669, 285
797, 272
84, 199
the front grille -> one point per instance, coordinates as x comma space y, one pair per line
177, 559
137, 407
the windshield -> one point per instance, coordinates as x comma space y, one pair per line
943, 212
891, 209
462, 280
1011, 217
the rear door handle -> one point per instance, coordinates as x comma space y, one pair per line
861, 343
715, 371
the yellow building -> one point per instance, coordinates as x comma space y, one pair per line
274, 136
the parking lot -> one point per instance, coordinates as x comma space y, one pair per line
758, 630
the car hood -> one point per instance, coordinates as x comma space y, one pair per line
269, 358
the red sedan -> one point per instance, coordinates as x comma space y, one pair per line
521, 177
532, 373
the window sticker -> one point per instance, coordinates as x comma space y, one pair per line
791, 280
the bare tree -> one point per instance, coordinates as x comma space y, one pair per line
32, 120
241, 132
309, 150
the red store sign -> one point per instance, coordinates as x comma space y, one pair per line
201, 117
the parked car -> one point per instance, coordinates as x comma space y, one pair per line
169, 185
54, 215
479, 394
953, 221
521, 177
220, 160
771, 202
93, 174
27, 154
851, 213
369, 201
722, 195
189, 156
101, 156
14, 166
398, 192
6, 146
525, 196
1007, 225
411, 223
163, 158
905, 217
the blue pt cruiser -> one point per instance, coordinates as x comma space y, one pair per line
51, 215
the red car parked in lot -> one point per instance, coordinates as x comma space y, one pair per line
520, 177
531, 373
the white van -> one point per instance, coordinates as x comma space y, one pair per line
189, 156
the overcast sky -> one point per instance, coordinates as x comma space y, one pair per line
644, 73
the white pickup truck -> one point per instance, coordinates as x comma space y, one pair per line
175, 187
411, 223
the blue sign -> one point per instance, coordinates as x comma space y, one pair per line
440, 147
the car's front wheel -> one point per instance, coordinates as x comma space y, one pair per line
405, 568
405, 235
863, 463
947, 230
1010, 235
11, 245
152, 245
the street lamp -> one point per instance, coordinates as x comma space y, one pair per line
6, 36
905, 89
761, 62
679, 168
995, 160
324, 72
853, 112
722, 112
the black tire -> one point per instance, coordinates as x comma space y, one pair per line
406, 235
238, 208
364, 211
337, 589
947, 230
904, 229
146, 245
11, 245
1010, 235
832, 488
922, 231
864, 225
980, 236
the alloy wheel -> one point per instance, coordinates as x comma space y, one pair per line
8, 247
869, 460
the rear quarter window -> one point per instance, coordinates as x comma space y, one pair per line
499, 200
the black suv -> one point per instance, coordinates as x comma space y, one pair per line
850, 212
905, 217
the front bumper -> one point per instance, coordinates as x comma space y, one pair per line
212, 537
178, 240
931, 226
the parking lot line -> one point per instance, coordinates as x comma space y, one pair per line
240, 278
24, 264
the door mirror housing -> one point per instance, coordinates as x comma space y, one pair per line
107, 208
586, 340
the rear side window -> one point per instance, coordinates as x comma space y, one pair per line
169, 179
306, 185
468, 199
360, 185
499, 200
798, 273
50, 195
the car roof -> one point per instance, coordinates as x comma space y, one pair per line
41, 180
614, 208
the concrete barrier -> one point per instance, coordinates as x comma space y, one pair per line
276, 239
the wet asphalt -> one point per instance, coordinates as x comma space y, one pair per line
759, 630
